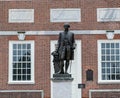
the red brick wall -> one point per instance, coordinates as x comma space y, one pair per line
42, 43
42, 14
42, 63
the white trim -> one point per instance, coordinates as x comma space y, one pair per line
21, 16
100, 81
10, 81
42, 95
108, 14
57, 32
65, 15
102, 90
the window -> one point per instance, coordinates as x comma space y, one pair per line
109, 61
21, 62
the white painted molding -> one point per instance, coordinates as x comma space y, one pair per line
65, 15
102, 90
57, 32
108, 14
21, 15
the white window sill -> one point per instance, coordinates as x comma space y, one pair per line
109, 82
21, 82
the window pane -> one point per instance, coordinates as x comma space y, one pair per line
14, 58
24, 52
118, 77
19, 46
113, 77
24, 46
14, 77
14, 46
24, 65
108, 58
28, 58
107, 45
19, 52
24, 77
28, 52
112, 51
103, 51
117, 45
108, 64
24, 71
117, 58
107, 51
28, 71
112, 58
108, 70
19, 65
117, 51
14, 52
24, 58
28, 65
19, 71
103, 58
19, 77
103, 77
112, 70
14, 65
118, 70
14, 71
117, 64
28, 77
108, 77
103, 70
112, 45
103, 45
28, 46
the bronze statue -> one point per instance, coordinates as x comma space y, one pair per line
65, 50
56, 61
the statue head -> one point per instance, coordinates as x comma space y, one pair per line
66, 27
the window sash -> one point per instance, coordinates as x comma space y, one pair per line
18, 72
108, 61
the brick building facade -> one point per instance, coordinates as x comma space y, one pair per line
26, 66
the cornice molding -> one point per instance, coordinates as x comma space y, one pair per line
57, 32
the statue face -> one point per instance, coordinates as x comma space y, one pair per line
66, 25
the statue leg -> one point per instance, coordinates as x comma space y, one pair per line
66, 66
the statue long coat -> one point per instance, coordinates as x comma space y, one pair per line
66, 46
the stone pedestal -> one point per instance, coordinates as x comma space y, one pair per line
62, 86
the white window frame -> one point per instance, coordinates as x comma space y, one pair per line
100, 81
10, 80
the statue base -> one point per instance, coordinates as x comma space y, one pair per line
62, 86
58, 77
